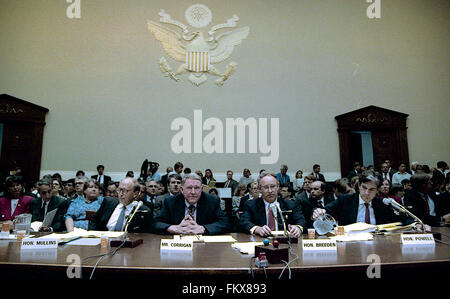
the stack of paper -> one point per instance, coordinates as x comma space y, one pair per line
359, 227
246, 247
206, 239
353, 237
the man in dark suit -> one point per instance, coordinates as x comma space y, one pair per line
317, 174
422, 200
113, 214
362, 206
173, 189
191, 212
253, 193
39, 207
230, 183
260, 215
438, 177
316, 200
100, 177
355, 172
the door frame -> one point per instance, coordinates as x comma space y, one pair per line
374, 119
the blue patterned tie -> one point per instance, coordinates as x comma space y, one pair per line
119, 224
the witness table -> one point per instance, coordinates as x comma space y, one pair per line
220, 260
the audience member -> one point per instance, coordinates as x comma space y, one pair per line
355, 172
317, 174
252, 193
421, 200
297, 183
230, 183
76, 215
318, 199
39, 207
282, 176
209, 179
100, 177
14, 203
400, 175
173, 189
246, 179
111, 189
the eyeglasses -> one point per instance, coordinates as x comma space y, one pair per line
193, 188
270, 187
120, 190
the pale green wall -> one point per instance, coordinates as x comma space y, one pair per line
303, 62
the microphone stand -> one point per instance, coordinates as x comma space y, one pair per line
405, 210
126, 241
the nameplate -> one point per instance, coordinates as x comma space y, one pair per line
170, 244
319, 244
417, 239
40, 243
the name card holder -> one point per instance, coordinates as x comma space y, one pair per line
319, 245
39, 243
171, 244
417, 239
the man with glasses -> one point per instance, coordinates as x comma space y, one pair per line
46, 203
114, 213
261, 216
362, 206
191, 212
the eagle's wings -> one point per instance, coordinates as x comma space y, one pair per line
226, 43
170, 40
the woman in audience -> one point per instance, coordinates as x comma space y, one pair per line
76, 213
14, 202
297, 184
57, 187
384, 191
398, 193
208, 179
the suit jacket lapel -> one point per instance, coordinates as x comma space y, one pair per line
354, 208
179, 209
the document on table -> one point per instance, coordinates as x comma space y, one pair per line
246, 247
85, 242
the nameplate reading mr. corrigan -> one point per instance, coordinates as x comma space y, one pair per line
170, 244
319, 244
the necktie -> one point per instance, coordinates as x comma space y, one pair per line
42, 212
367, 217
191, 211
427, 205
271, 219
319, 204
226, 184
119, 224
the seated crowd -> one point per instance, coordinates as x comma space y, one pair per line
182, 202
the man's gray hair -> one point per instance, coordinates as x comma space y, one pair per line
190, 176
264, 174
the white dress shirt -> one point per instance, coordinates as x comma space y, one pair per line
116, 214
362, 212
14, 203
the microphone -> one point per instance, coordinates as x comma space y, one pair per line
277, 206
391, 202
136, 208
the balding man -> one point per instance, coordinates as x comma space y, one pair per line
259, 217
191, 212
113, 214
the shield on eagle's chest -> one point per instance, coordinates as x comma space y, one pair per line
197, 61
197, 55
